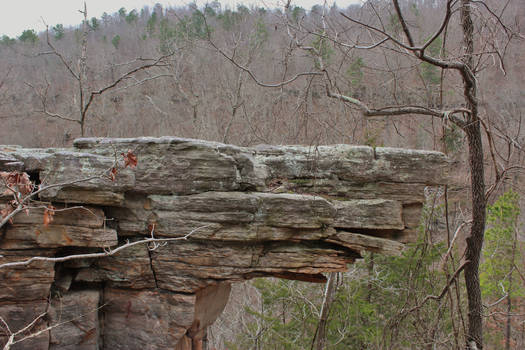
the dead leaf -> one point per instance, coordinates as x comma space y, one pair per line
48, 215
16, 182
113, 174
130, 159
25, 185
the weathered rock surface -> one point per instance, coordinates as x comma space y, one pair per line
146, 319
285, 211
76, 317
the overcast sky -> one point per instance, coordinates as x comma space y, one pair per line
18, 15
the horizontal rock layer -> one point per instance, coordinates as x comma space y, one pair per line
285, 211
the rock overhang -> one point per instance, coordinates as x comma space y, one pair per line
285, 211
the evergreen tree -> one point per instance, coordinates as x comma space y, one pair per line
58, 31
116, 41
6, 40
28, 36
503, 253
132, 17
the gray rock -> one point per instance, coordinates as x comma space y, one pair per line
369, 214
24, 283
54, 236
75, 320
291, 212
145, 319
19, 316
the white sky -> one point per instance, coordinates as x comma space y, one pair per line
18, 15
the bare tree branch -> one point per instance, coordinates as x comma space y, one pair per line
11, 340
247, 70
123, 77
55, 52
43, 100
107, 251
417, 51
444, 290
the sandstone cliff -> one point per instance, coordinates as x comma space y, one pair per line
285, 211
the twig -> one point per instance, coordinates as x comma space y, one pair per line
105, 253
443, 291
11, 340
452, 242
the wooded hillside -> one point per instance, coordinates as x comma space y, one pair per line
197, 92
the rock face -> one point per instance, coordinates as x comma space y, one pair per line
290, 212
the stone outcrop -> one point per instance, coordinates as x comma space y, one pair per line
286, 211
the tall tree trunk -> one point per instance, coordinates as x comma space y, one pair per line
508, 329
509, 308
329, 294
475, 240
370, 268
82, 73
473, 132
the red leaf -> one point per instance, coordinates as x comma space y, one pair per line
113, 174
24, 184
16, 182
48, 215
130, 159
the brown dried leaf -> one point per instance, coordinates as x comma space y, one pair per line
17, 182
130, 159
113, 174
24, 184
48, 215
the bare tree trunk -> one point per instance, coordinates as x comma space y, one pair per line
509, 308
82, 65
508, 329
370, 268
475, 240
329, 294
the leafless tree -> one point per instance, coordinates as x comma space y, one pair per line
473, 19
329, 294
86, 92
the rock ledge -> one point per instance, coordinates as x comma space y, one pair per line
286, 211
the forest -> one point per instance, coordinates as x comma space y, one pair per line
444, 75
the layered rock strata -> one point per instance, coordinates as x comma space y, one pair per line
285, 211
